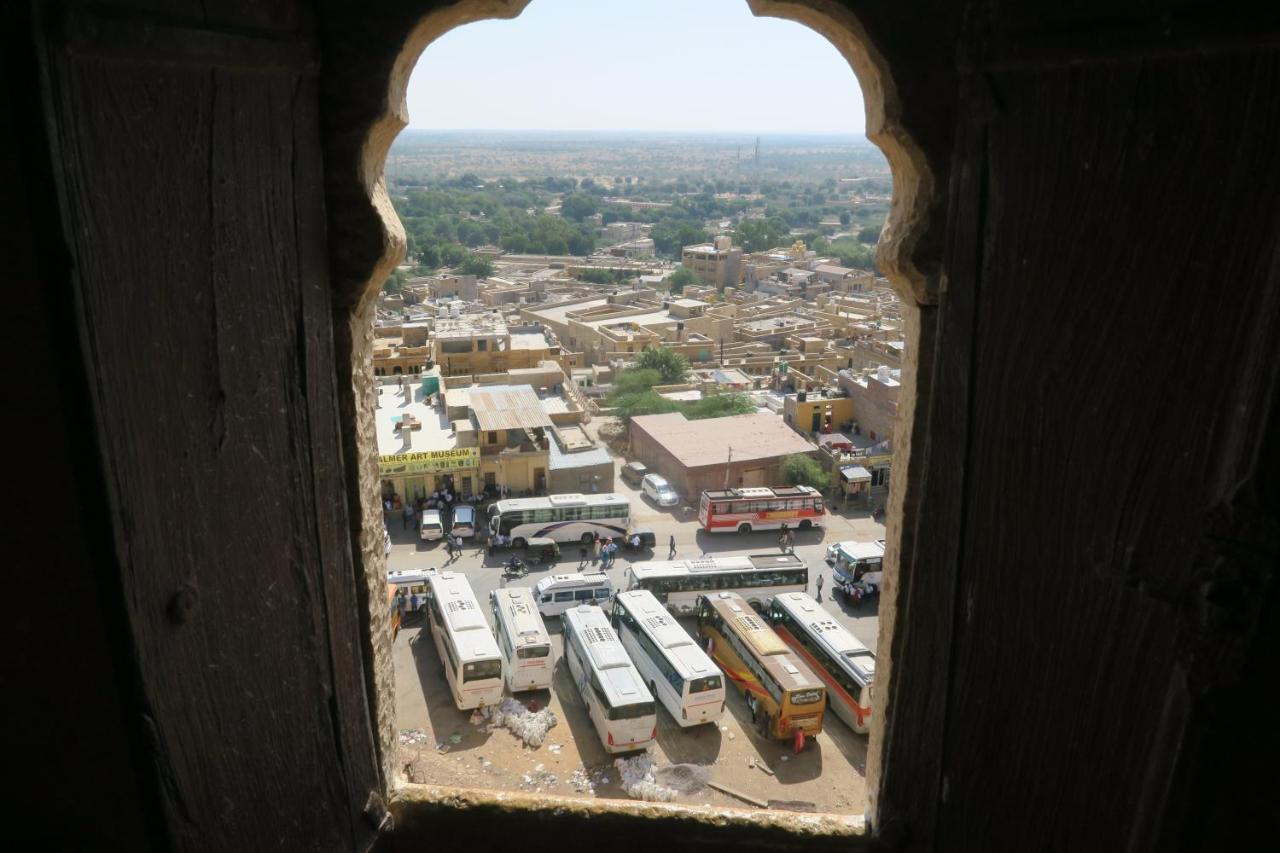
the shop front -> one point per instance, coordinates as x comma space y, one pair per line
411, 476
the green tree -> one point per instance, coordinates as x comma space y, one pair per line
868, 236
577, 206
845, 218
672, 366
476, 265
799, 469
680, 279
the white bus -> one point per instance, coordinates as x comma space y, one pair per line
844, 664
564, 518
522, 638
468, 652
756, 577
620, 706
680, 674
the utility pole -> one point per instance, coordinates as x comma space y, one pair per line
726, 468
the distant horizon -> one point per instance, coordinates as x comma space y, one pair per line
563, 63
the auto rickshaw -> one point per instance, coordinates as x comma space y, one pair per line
539, 549
647, 539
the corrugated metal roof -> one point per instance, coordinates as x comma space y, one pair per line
507, 407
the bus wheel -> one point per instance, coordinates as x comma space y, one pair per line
587, 539
519, 544
806, 524
744, 528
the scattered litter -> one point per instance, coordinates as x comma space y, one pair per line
530, 726
414, 736
585, 782
793, 805
455, 738
683, 778
724, 728
555, 747
786, 758
733, 792
538, 779
730, 735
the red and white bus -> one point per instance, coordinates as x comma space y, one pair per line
745, 510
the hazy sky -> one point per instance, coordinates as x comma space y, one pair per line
653, 65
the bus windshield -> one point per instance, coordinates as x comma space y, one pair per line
631, 712
702, 685
481, 670
533, 652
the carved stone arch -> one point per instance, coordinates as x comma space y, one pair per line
366, 70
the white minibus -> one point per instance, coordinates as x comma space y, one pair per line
522, 638
679, 673
558, 593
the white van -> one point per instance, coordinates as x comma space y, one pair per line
413, 583
463, 522
558, 593
431, 527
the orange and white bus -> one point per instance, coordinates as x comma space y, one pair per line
745, 510
844, 664
786, 700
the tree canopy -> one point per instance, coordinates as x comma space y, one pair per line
680, 279
672, 366
633, 395
799, 469
476, 265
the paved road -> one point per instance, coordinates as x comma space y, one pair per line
682, 522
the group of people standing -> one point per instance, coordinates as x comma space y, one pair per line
605, 550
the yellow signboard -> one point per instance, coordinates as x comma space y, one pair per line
428, 461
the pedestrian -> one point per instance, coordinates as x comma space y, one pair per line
413, 603
595, 546
782, 538
789, 541
400, 603
819, 587
582, 555
408, 516
671, 547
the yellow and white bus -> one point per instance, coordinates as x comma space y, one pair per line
470, 656
679, 673
522, 639
620, 706
840, 659
786, 700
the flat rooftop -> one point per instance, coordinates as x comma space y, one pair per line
555, 313
471, 325
435, 433
528, 340
696, 444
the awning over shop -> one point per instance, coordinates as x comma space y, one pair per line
855, 474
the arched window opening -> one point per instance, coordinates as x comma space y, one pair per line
531, 280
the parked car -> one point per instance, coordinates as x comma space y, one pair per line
659, 490
463, 523
633, 472
431, 527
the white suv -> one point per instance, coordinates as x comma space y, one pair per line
659, 490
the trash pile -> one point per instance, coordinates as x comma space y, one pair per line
530, 726
638, 779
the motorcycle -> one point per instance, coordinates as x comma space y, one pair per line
514, 568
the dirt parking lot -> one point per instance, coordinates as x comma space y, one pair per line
441, 745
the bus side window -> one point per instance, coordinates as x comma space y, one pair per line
564, 596
546, 599
602, 593
582, 595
